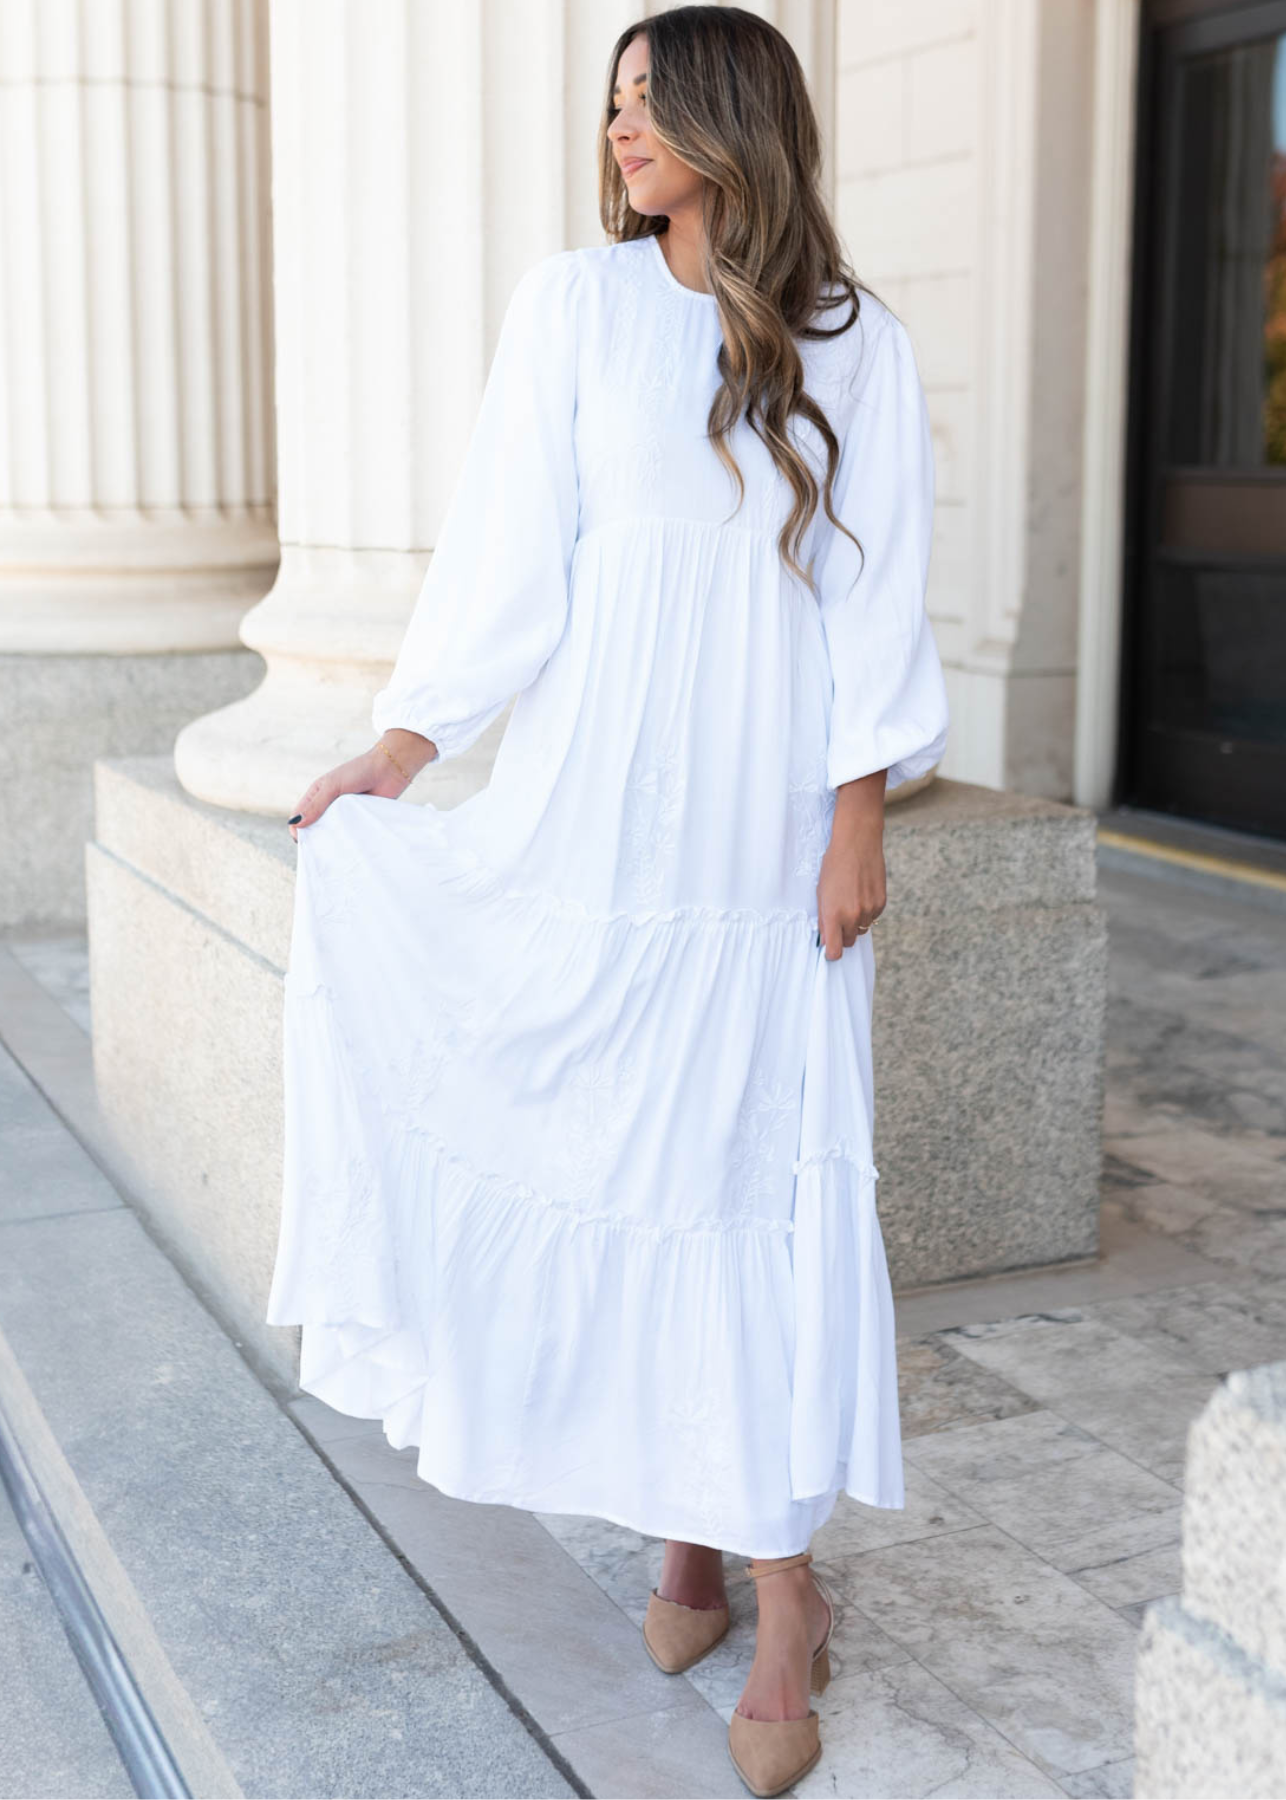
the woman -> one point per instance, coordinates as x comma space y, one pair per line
579, 1195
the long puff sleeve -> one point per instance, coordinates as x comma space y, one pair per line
889, 708
494, 599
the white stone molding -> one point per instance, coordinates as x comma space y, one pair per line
1098, 658
1008, 68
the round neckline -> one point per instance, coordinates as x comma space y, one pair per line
654, 238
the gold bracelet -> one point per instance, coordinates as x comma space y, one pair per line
396, 764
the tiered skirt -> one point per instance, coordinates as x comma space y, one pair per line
582, 1204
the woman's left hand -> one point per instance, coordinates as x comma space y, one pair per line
851, 886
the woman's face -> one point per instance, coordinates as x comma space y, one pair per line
655, 179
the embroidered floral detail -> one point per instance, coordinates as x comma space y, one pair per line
334, 887
346, 1240
597, 1103
659, 376
652, 812
759, 1168
647, 373
485, 880
766, 504
626, 310
502, 1188
412, 1074
812, 811
701, 1429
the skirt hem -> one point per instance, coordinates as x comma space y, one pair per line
625, 1517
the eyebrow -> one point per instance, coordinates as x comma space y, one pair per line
616, 90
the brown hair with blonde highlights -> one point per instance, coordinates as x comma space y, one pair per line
726, 94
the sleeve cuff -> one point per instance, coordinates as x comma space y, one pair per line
904, 762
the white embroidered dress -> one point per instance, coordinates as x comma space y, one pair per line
578, 1186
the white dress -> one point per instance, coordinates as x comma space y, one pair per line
578, 1190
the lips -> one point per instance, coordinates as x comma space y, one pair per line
630, 163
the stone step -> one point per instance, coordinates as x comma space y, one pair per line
281, 1644
55, 1740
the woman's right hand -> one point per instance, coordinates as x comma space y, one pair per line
373, 772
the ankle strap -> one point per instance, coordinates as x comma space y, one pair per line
773, 1565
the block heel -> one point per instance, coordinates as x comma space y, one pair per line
771, 1755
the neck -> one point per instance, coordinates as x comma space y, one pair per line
685, 247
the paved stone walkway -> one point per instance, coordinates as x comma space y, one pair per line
987, 1635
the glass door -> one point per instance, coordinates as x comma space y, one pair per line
1204, 700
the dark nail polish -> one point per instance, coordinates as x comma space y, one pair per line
819, 940
295, 820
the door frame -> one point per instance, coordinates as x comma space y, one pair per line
1217, 21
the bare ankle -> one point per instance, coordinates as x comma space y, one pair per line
692, 1575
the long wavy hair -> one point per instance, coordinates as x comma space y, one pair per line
727, 95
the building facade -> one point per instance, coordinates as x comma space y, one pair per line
1080, 211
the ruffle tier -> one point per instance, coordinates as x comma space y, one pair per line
710, 1360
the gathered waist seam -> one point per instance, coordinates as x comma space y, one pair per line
717, 526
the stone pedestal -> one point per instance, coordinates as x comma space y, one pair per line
1210, 1699
990, 991
989, 997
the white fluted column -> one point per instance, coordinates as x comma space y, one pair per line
390, 272
137, 466
136, 460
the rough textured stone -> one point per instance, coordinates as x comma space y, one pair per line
988, 1052
1234, 1516
1210, 1724
1210, 1693
990, 995
957, 847
60, 713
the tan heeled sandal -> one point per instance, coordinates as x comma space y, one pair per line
676, 1636
771, 1755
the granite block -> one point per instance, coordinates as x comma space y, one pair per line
1210, 1724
